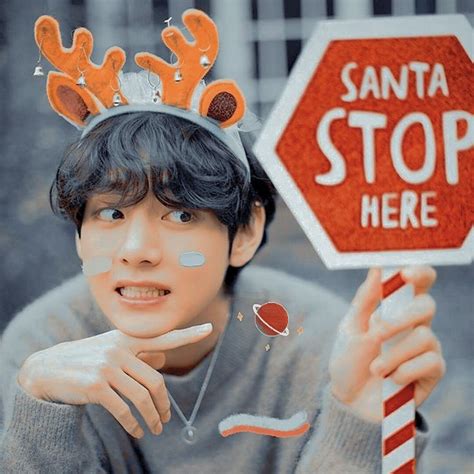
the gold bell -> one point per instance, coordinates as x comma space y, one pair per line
38, 71
117, 100
178, 77
204, 61
81, 82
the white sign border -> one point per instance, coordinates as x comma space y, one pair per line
325, 32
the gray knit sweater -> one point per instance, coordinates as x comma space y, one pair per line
40, 436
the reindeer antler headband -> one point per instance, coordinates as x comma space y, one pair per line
85, 94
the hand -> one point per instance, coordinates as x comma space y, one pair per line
356, 367
94, 369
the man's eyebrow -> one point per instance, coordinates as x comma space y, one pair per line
105, 198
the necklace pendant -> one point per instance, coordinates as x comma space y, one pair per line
189, 434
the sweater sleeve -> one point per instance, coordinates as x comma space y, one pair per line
37, 435
41, 436
343, 442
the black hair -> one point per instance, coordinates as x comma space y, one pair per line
186, 166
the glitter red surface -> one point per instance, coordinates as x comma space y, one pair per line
338, 207
275, 315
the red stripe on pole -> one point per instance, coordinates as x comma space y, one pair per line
407, 468
391, 285
392, 404
399, 437
400, 398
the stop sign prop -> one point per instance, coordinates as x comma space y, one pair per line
371, 143
371, 147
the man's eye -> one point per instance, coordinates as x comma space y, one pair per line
110, 214
181, 217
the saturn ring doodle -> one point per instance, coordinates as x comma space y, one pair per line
271, 319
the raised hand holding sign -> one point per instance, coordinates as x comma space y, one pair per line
371, 147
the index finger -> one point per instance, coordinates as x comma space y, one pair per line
170, 340
366, 300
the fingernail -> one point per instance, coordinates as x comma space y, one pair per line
158, 428
138, 433
204, 328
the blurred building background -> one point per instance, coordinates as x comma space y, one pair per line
260, 40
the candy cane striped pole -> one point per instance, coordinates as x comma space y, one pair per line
398, 425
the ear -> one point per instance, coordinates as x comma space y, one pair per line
69, 100
222, 101
78, 246
248, 238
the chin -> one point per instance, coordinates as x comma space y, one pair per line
137, 321
141, 329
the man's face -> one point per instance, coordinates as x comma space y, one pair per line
149, 248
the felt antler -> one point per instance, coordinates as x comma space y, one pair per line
101, 81
179, 94
221, 100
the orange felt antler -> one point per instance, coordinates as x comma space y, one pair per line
189, 55
221, 101
101, 81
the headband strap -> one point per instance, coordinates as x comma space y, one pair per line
229, 137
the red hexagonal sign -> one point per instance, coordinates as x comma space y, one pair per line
371, 144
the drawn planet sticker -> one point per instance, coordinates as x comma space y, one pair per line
271, 319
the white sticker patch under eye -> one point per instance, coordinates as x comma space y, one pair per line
192, 259
96, 265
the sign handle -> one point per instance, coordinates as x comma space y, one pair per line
398, 425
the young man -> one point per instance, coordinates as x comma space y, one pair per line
132, 366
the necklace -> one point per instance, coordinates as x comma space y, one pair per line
189, 432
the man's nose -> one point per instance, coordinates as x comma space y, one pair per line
141, 245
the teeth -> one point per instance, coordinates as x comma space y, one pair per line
140, 291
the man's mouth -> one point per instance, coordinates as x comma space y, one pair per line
141, 292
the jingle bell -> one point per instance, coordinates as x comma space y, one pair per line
117, 100
156, 96
204, 61
178, 77
38, 71
81, 82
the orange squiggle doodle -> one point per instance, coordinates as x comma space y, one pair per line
264, 425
